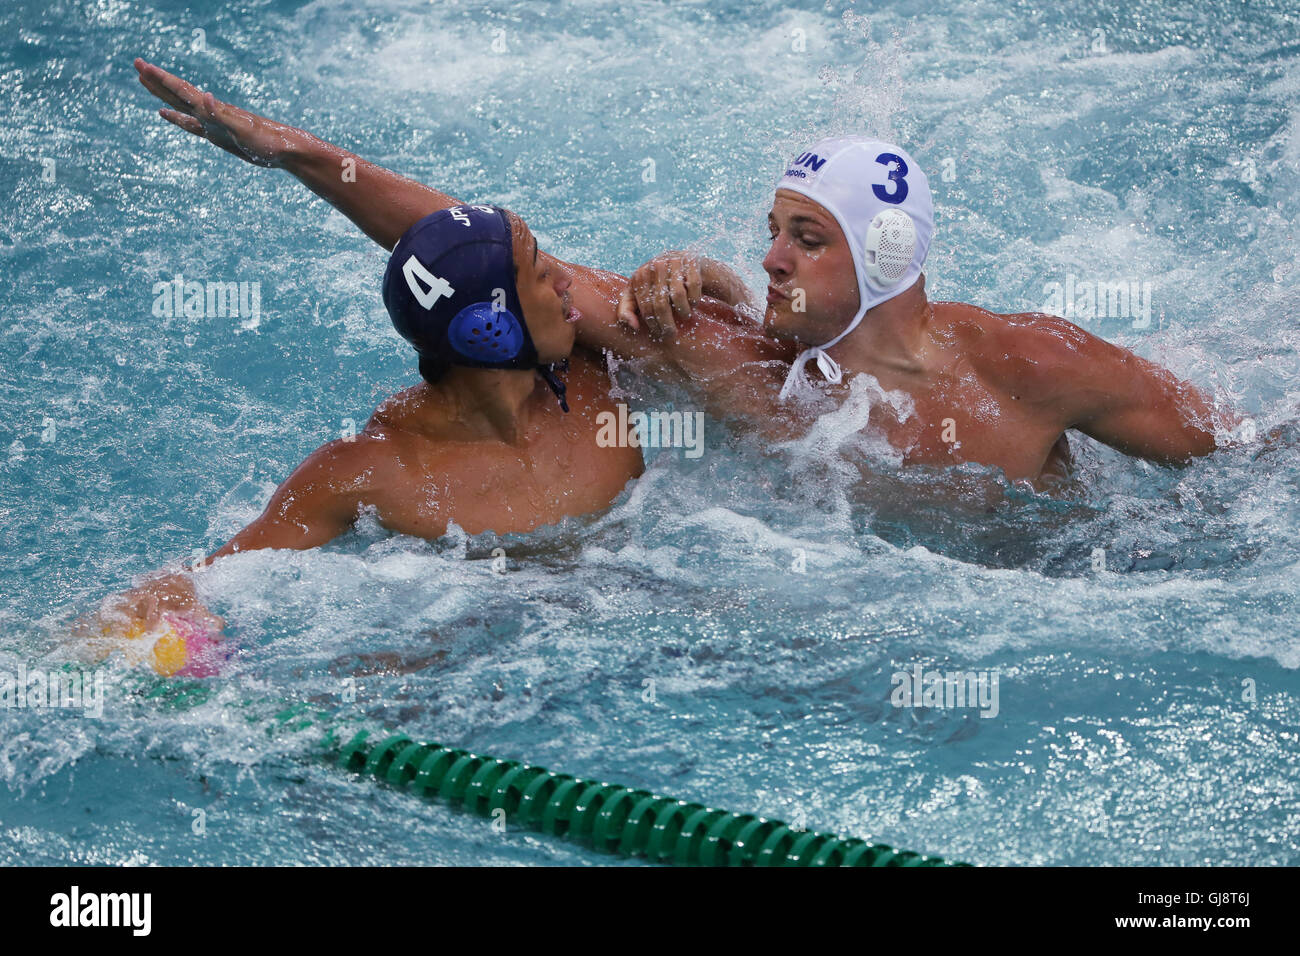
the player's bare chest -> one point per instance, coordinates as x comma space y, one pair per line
557, 469
955, 416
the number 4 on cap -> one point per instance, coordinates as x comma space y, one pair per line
414, 269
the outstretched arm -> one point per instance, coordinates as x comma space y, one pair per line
314, 505
382, 203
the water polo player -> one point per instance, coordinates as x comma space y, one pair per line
851, 224
492, 439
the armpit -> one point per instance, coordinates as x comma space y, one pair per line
1059, 465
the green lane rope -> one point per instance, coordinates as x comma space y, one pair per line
608, 817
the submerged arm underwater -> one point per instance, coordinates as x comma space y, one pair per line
316, 504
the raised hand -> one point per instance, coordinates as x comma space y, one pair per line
668, 288
254, 139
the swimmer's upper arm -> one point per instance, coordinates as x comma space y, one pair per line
1120, 398
595, 293
382, 203
314, 505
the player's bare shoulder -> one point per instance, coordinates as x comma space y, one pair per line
374, 459
418, 419
398, 411
1031, 355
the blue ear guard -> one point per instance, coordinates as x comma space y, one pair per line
485, 334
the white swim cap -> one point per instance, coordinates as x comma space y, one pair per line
881, 200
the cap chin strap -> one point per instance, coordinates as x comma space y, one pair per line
547, 372
829, 368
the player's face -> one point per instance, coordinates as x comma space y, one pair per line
813, 290
543, 286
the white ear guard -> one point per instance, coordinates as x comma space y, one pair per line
888, 247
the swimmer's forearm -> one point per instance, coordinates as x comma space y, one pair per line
1150, 413
382, 203
595, 295
1183, 422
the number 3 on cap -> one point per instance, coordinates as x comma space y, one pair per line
414, 269
899, 192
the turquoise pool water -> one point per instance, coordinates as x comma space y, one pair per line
1147, 715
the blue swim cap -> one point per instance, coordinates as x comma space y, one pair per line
450, 290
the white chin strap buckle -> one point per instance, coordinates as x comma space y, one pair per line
889, 245
830, 369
